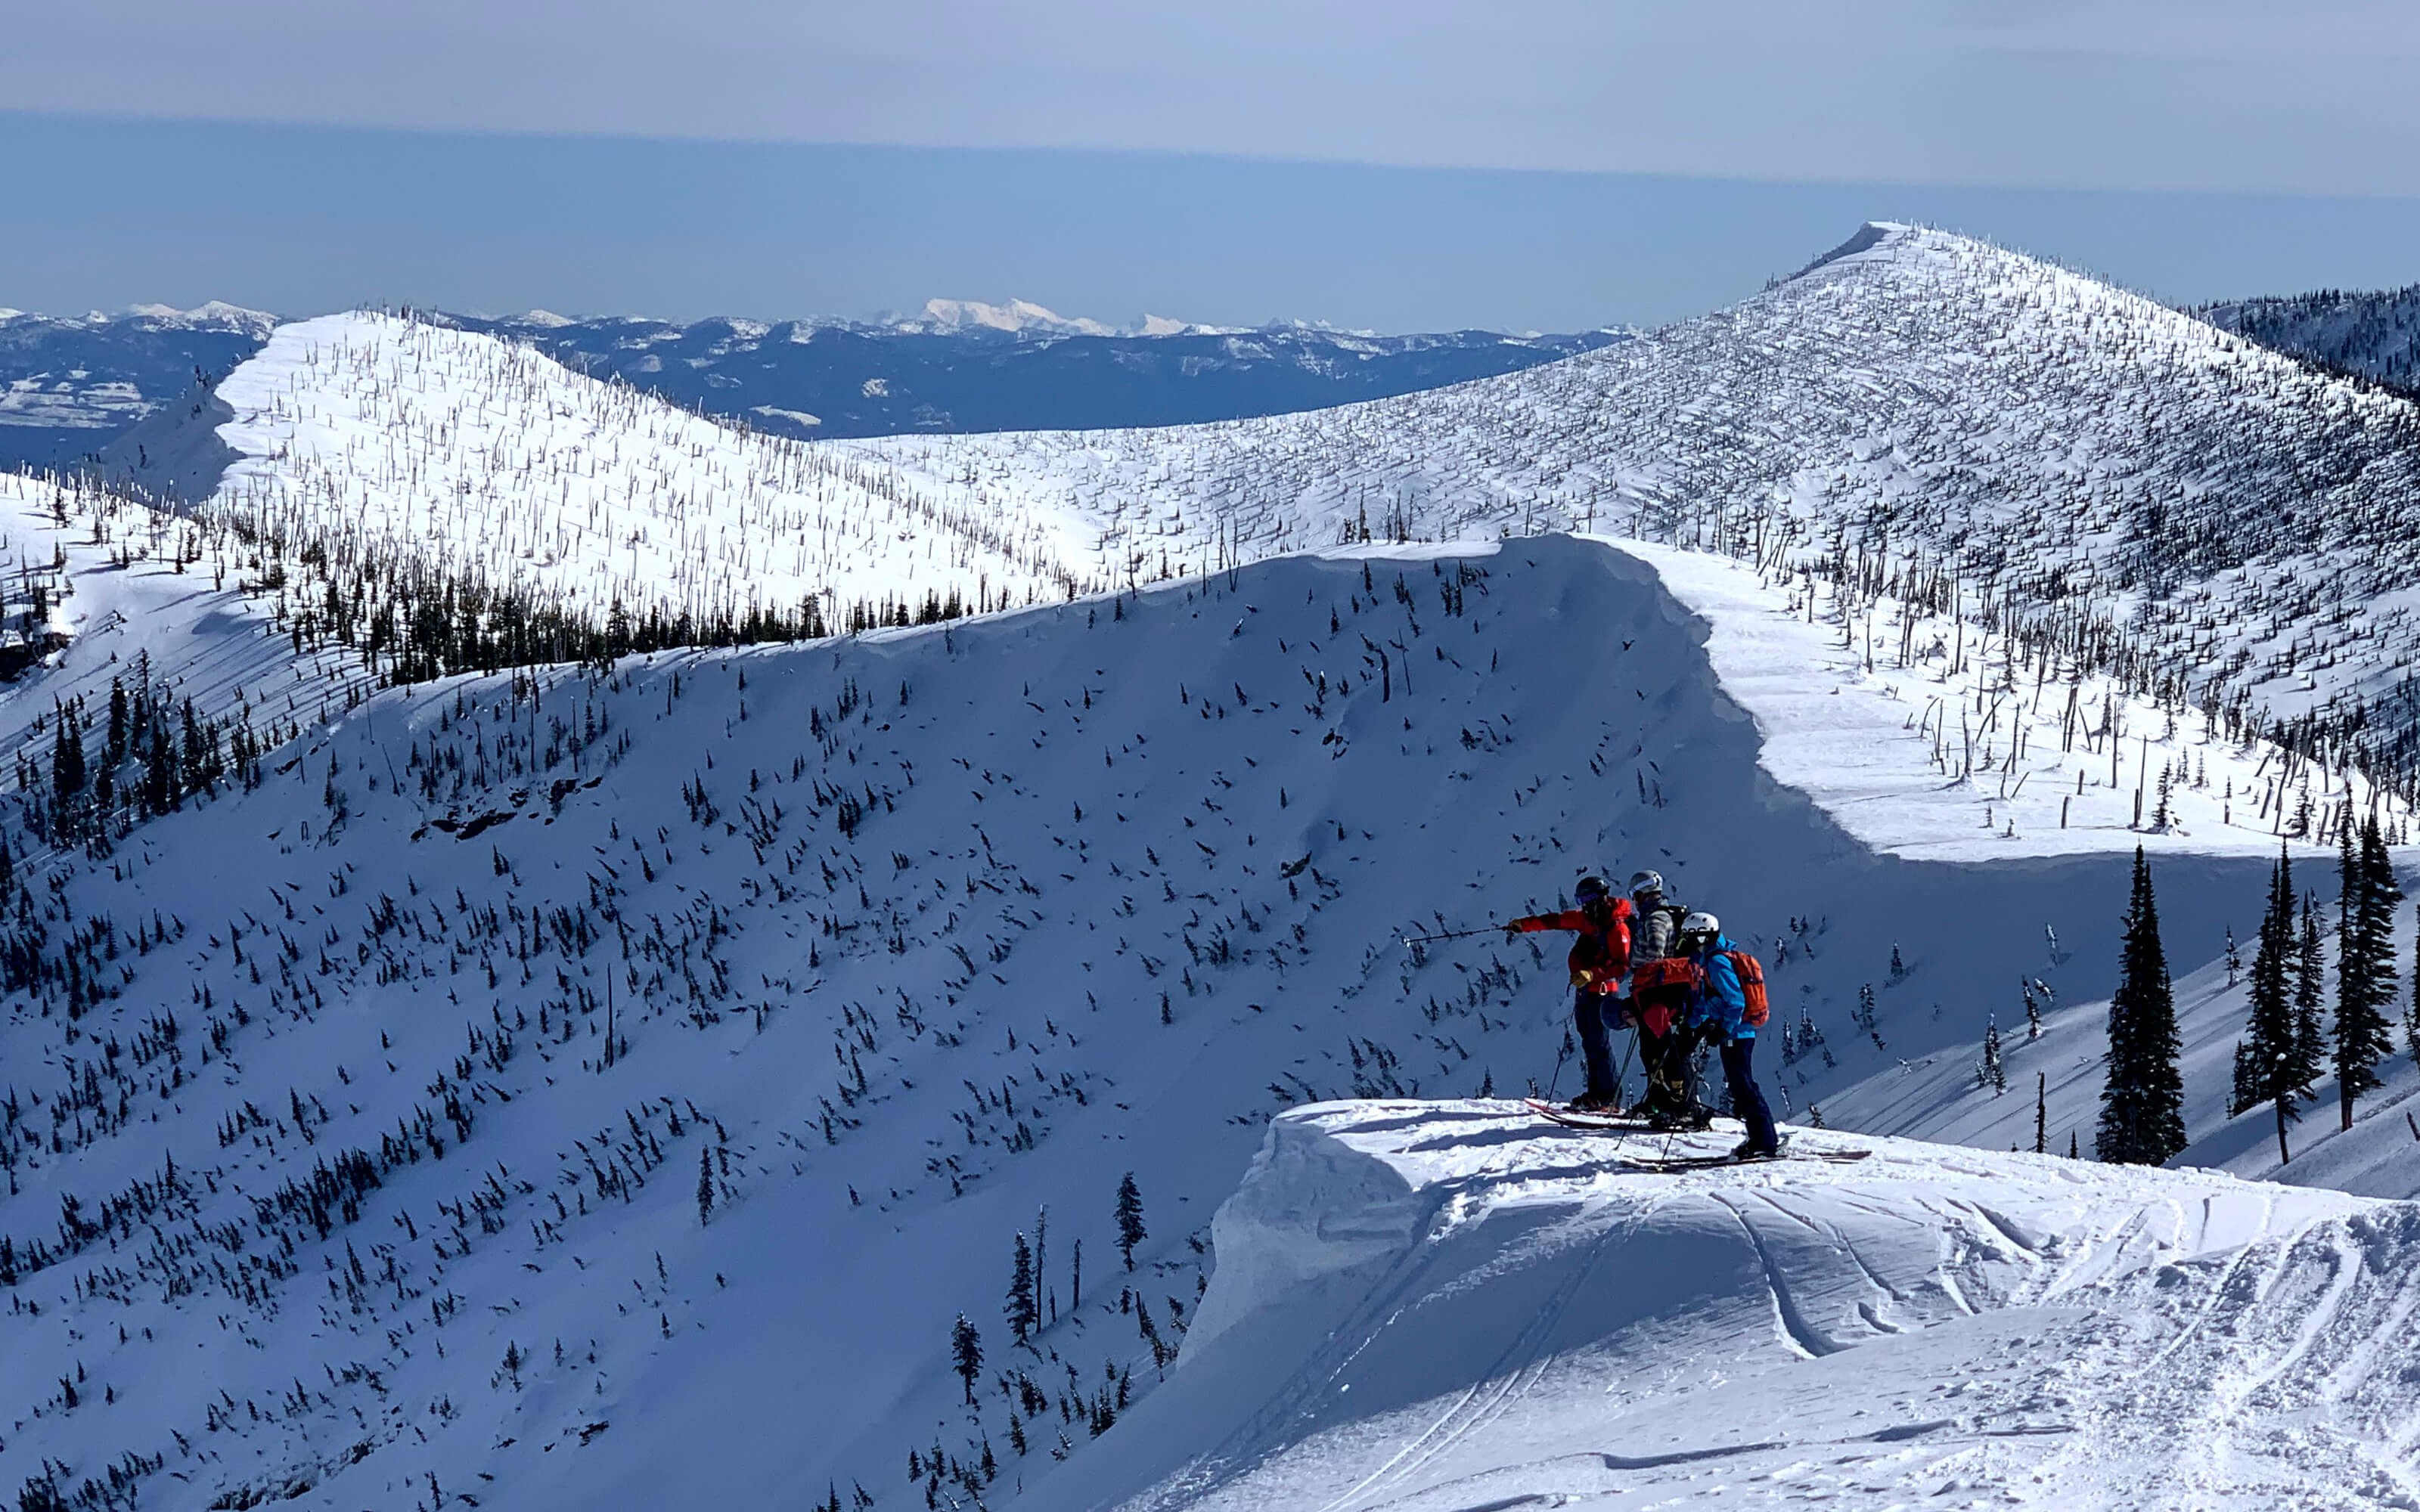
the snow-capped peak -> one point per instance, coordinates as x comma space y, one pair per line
217, 314
1016, 315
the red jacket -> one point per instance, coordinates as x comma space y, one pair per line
1600, 957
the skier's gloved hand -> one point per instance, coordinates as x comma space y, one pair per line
1512, 932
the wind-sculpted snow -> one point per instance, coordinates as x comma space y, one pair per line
1429, 1308
888, 944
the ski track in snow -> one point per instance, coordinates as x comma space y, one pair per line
2153, 1377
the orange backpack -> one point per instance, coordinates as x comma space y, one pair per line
1667, 972
1751, 980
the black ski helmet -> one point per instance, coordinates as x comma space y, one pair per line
1591, 890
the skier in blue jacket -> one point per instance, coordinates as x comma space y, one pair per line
1717, 1009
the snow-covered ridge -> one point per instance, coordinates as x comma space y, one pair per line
1137, 870
2375, 334
2073, 450
1426, 1307
489, 458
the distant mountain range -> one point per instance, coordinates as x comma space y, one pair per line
68, 387
2374, 334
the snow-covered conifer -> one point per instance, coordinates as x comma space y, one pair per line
2142, 1101
1019, 1309
966, 1354
1129, 1218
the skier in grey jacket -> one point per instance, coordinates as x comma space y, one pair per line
1664, 1040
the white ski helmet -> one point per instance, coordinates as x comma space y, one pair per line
1646, 882
1701, 924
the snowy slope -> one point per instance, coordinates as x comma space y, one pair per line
1936, 1095
368, 430
868, 916
1430, 1309
2070, 450
1924, 734
124, 591
2375, 334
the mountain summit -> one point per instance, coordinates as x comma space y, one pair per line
2074, 451
1018, 316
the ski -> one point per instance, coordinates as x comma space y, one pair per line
1605, 1123
1600, 1122
1708, 1163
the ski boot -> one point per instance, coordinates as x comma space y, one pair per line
1683, 1121
1594, 1102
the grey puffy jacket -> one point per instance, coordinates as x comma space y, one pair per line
1655, 934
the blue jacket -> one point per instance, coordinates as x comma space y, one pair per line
1718, 999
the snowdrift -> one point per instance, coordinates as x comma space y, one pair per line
1431, 1307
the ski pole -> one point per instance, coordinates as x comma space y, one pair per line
1452, 935
1560, 1056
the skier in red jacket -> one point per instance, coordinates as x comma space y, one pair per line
1600, 961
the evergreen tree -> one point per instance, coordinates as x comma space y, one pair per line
2267, 1059
117, 724
2411, 1017
705, 1184
1020, 1310
2364, 964
1990, 1073
2234, 959
2310, 993
2377, 871
2142, 1099
966, 1354
1129, 1216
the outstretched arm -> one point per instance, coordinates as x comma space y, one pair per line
1573, 920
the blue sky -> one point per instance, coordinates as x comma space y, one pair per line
1531, 164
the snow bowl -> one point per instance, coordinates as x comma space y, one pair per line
1449, 1307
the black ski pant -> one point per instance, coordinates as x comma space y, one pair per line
1748, 1101
1666, 1058
1588, 1015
